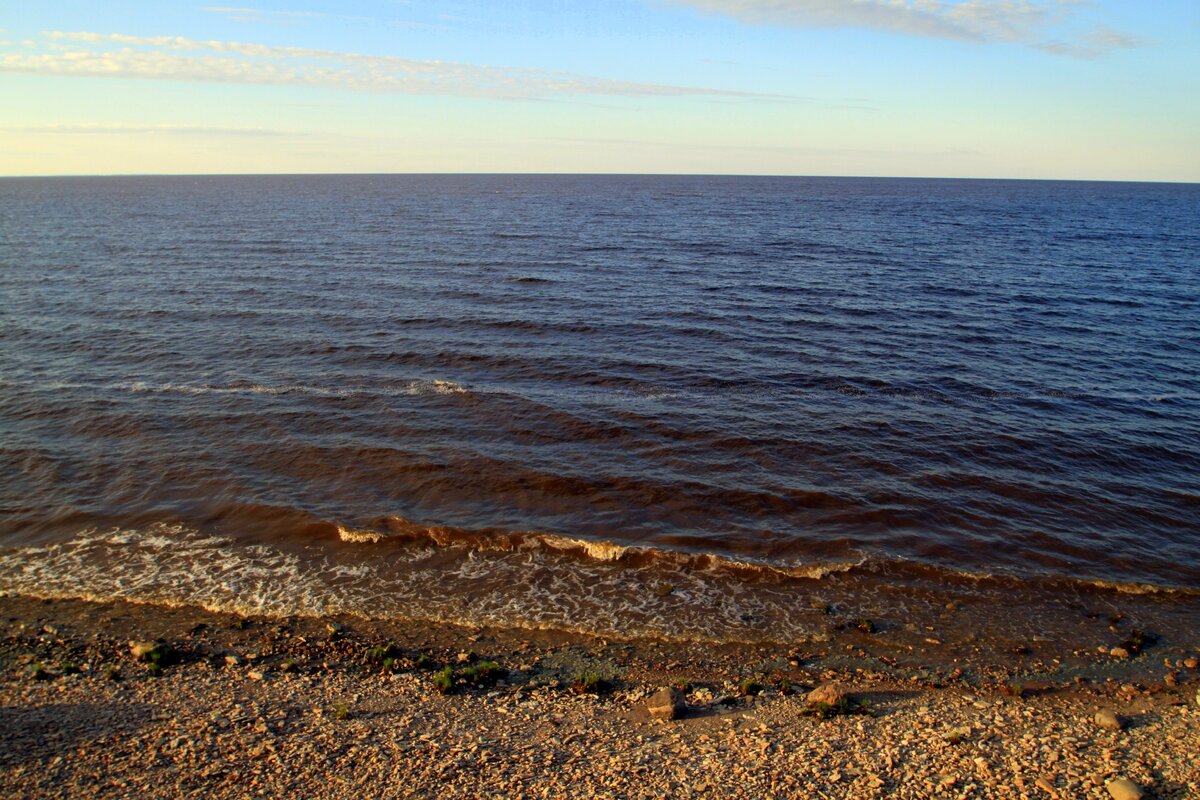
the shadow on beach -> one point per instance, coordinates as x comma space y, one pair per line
38, 733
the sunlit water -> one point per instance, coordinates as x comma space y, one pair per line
621, 404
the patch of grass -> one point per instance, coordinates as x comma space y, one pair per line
830, 710
784, 686
588, 683
39, 673
341, 711
682, 684
479, 674
424, 662
750, 687
443, 681
112, 672
380, 654
69, 669
289, 664
488, 672
157, 656
865, 625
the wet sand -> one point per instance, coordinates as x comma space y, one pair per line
308, 707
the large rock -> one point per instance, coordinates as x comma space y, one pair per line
1124, 789
829, 694
666, 703
1109, 720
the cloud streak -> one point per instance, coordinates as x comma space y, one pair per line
177, 58
264, 16
101, 128
1016, 21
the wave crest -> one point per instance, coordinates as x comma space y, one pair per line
398, 529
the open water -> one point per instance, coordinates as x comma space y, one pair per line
673, 406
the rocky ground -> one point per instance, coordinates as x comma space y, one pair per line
216, 705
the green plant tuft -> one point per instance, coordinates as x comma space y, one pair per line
443, 681
587, 683
829, 710
489, 672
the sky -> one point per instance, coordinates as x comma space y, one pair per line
1053, 89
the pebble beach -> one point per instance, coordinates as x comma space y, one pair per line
115, 700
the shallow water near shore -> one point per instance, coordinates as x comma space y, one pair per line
694, 408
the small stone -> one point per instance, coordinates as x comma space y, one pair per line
829, 694
232, 660
1107, 719
1045, 784
1124, 789
666, 704
1119, 652
1191, 663
255, 675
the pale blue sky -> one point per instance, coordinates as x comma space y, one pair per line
977, 88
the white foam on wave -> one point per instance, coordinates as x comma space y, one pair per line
174, 565
409, 388
359, 536
594, 549
435, 386
692, 599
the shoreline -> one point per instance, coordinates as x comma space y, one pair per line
909, 612
306, 706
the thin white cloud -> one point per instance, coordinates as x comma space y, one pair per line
955, 152
1094, 44
116, 55
93, 128
265, 16
1018, 21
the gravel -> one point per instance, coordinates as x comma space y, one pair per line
333, 725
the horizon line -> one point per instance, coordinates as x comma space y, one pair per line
36, 176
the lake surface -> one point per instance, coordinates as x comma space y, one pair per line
680, 406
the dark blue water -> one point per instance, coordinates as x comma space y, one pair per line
504, 374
